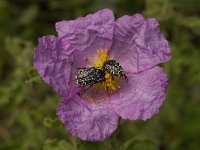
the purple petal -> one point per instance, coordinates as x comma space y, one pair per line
90, 33
86, 120
56, 62
142, 96
45, 54
138, 43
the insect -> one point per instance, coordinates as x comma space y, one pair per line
114, 68
89, 76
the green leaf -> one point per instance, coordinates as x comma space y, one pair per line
34, 80
50, 123
33, 76
32, 72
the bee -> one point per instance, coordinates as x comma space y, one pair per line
89, 76
114, 68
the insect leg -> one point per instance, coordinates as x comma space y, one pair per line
125, 77
88, 88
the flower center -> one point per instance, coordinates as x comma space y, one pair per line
110, 84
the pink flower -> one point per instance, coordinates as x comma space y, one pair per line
133, 41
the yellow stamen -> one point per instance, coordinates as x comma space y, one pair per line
110, 84
102, 57
93, 100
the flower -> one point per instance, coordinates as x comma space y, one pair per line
133, 41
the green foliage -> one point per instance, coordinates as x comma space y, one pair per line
48, 122
54, 144
33, 76
27, 104
138, 144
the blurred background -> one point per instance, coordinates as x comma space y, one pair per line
27, 104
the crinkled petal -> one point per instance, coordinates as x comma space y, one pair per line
90, 33
142, 96
86, 120
56, 62
138, 43
45, 54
